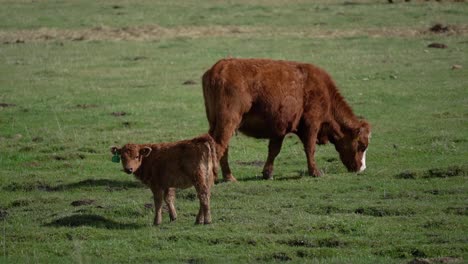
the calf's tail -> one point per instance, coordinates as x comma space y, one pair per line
212, 161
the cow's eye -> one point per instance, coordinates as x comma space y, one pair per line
137, 157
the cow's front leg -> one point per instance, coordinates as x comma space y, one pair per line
309, 139
158, 201
274, 147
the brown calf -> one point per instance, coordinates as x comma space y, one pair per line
166, 166
269, 99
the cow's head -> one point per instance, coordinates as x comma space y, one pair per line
353, 146
132, 156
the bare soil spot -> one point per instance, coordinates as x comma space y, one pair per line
82, 202
445, 172
437, 46
435, 260
383, 212
156, 32
29, 187
20, 203
406, 175
148, 205
86, 106
189, 82
119, 113
439, 28
4, 105
37, 139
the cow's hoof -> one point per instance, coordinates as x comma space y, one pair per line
267, 175
315, 173
230, 179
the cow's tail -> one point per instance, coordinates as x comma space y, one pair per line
209, 98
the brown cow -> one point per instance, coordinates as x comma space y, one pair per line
269, 99
166, 166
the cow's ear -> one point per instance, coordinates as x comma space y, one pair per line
115, 150
145, 152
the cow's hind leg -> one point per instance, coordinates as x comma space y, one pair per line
169, 197
274, 147
222, 133
225, 169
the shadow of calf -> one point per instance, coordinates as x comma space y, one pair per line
91, 220
111, 184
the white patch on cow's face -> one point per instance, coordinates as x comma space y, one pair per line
363, 162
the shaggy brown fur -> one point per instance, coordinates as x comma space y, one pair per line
166, 166
269, 99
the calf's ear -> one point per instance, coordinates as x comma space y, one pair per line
115, 150
145, 152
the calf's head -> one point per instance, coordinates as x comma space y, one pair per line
353, 146
132, 156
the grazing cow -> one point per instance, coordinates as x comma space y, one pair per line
268, 99
166, 166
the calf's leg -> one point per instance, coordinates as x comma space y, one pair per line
158, 200
274, 147
169, 198
204, 214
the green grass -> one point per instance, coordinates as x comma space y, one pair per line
54, 143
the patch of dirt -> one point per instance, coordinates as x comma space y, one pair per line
37, 139
255, 163
4, 105
148, 205
29, 187
69, 157
119, 113
383, 212
156, 32
136, 58
86, 106
439, 28
82, 202
437, 46
406, 175
445, 172
281, 257
189, 82
20, 203
435, 260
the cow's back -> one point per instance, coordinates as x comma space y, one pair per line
268, 94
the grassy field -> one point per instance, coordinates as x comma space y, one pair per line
77, 77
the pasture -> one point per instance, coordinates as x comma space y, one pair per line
77, 77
